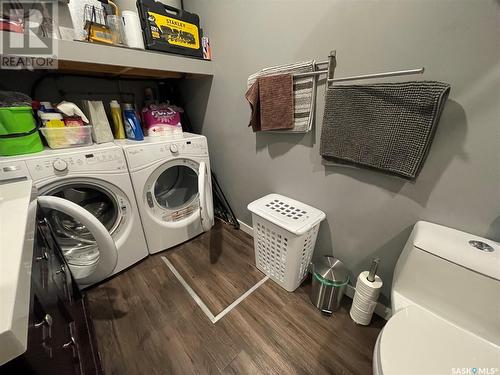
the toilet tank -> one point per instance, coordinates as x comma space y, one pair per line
452, 274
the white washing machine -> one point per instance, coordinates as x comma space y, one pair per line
173, 187
76, 187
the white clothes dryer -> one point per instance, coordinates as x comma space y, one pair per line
76, 187
173, 187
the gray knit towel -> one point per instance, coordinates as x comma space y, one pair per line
387, 127
304, 93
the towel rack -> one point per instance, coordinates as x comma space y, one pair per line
332, 63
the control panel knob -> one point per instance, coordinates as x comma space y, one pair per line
174, 149
60, 165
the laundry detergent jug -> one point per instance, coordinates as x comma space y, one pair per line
132, 124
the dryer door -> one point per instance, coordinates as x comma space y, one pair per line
91, 257
206, 205
172, 193
178, 193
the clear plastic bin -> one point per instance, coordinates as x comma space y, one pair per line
74, 136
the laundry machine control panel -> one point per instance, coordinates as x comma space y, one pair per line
188, 147
90, 161
144, 154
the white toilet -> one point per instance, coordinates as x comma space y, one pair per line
445, 304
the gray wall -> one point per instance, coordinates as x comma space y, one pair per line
368, 214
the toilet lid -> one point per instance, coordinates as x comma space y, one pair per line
415, 341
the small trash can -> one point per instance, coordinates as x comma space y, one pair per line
330, 279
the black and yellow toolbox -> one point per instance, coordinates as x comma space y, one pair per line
169, 29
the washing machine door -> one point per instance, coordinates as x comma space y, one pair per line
86, 243
180, 192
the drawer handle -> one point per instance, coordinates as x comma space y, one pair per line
47, 319
45, 256
61, 270
71, 343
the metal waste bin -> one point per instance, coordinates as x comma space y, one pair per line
330, 279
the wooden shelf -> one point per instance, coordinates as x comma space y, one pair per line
98, 59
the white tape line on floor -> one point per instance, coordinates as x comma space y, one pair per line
191, 292
240, 299
201, 304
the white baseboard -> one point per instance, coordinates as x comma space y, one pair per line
381, 310
246, 228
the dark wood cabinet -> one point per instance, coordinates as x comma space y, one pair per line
61, 338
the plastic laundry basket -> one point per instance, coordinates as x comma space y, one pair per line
285, 232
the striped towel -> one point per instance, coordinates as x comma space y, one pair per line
304, 93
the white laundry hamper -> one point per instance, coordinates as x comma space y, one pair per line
285, 232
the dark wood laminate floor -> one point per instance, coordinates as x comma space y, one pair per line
147, 323
219, 266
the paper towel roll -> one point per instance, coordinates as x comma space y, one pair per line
365, 298
175, 3
132, 29
131, 4
126, 4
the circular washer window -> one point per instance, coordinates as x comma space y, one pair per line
176, 187
77, 243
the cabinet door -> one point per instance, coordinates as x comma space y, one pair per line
40, 265
61, 340
57, 299
38, 357
52, 319
75, 347
51, 270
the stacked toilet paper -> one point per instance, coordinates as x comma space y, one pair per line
365, 298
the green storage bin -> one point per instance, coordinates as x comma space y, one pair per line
18, 131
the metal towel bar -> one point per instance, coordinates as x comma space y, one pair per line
332, 62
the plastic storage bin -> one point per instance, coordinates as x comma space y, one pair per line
285, 232
73, 136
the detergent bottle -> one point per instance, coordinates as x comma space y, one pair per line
116, 114
132, 124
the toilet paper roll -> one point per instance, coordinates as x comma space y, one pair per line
371, 287
361, 317
132, 29
365, 298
